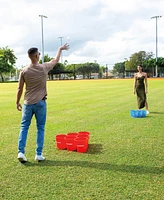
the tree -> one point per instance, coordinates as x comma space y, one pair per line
58, 69
87, 68
72, 68
7, 61
65, 63
84, 69
101, 71
46, 59
160, 64
149, 66
119, 68
137, 59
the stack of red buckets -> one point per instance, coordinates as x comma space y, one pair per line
73, 141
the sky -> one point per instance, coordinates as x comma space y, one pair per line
102, 31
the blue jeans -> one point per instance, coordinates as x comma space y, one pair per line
39, 110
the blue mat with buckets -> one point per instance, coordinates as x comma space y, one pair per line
138, 113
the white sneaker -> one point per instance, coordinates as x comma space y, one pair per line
147, 112
39, 158
22, 158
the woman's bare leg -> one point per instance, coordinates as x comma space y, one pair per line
146, 105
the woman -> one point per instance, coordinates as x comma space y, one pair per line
140, 81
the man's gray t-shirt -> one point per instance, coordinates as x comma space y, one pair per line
35, 78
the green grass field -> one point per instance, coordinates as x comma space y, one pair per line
125, 159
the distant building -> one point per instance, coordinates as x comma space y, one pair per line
94, 75
108, 74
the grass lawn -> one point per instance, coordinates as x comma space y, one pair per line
125, 158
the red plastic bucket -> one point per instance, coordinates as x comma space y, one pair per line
82, 141
72, 133
70, 138
60, 137
83, 137
70, 142
81, 148
61, 145
84, 133
60, 141
71, 146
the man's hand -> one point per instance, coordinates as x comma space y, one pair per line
19, 106
64, 47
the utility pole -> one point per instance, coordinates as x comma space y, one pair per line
106, 69
42, 16
156, 17
61, 43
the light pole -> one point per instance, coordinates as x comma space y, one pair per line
124, 65
61, 38
42, 16
156, 17
106, 69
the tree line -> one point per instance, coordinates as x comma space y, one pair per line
72, 70
146, 59
8, 60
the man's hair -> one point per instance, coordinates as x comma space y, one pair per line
32, 51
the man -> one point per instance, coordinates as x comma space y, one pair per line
34, 76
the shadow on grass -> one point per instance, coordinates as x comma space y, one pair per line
134, 169
95, 149
157, 113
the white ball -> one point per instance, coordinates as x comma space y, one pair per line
68, 38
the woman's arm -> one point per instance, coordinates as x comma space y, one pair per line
146, 84
134, 87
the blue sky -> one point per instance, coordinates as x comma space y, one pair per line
106, 31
